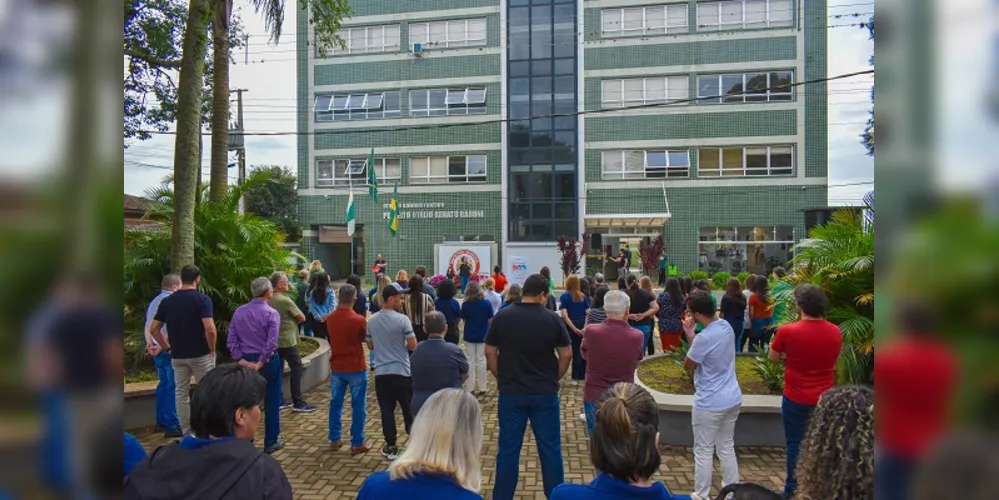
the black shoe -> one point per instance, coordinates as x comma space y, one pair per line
303, 407
173, 433
159, 428
285, 405
390, 452
274, 447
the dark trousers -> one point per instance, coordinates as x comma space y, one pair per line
650, 343
760, 335
892, 476
662, 276
578, 363
291, 356
389, 390
272, 397
420, 332
515, 410
319, 330
737, 324
452, 333
795, 416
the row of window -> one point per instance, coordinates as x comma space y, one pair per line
773, 86
386, 38
737, 161
422, 170
748, 161
424, 102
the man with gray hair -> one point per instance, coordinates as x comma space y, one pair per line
253, 342
291, 317
616, 348
166, 399
599, 278
436, 364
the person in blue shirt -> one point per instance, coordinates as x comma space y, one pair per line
450, 308
624, 449
166, 399
134, 453
573, 305
322, 302
447, 436
477, 313
361, 304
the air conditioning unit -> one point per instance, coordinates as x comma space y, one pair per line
418, 49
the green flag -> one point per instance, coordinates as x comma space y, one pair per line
394, 211
372, 177
351, 219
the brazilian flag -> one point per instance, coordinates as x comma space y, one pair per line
393, 223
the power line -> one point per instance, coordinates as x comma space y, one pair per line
556, 115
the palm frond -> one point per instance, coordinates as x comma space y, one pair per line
273, 11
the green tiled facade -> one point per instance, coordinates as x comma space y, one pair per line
694, 204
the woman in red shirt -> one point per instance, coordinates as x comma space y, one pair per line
809, 349
499, 278
761, 314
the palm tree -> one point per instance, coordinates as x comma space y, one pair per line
839, 257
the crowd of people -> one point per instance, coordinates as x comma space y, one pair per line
528, 340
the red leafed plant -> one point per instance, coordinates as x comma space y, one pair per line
569, 258
650, 253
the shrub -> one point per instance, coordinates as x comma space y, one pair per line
742, 278
720, 279
698, 275
772, 372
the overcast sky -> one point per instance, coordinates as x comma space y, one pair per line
270, 106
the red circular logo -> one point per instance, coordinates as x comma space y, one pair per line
457, 257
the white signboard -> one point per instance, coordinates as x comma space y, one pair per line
450, 256
517, 269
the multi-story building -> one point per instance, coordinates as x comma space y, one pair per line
516, 121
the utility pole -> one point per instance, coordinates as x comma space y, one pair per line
236, 141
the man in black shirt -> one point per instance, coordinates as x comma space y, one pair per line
643, 312
187, 314
519, 354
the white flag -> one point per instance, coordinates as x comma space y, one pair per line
351, 219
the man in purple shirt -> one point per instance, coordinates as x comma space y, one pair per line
253, 339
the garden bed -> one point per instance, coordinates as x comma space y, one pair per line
664, 374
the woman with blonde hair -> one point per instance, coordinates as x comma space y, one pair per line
513, 294
402, 280
442, 459
477, 313
573, 305
491, 296
316, 268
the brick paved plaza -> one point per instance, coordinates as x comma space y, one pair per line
315, 472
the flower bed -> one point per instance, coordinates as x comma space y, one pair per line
666, 375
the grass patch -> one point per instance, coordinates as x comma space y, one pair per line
665, 375
306, 346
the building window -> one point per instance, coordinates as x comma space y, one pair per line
434, 169
647, 20
637, 91
366, 39
645, 164
354, 171
440, 102
746, 87
749, 161
451, 33
744, 14
368, 106
755, 249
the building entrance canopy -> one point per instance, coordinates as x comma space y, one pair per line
626, 224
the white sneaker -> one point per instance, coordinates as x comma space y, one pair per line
582, 416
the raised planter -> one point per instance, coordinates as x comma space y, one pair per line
759, 423
140, 398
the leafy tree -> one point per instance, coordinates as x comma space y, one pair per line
272, 195
868, 136
229, 248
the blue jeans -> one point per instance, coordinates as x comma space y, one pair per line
647, 333
892, 476
758, 337
305, 328
358, 384
795, 416
515, 410
737, 327
464, 282
590, 409
371, 357
271, 372
166, 398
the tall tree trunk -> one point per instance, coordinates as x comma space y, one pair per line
221, 12
186, 163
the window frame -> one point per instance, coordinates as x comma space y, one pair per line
720, 25
447, 177
745, 171
624, 102
348, 36
465, 106
667, 28
769, 96
344, 179
670, 172
365, 111
423, 29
